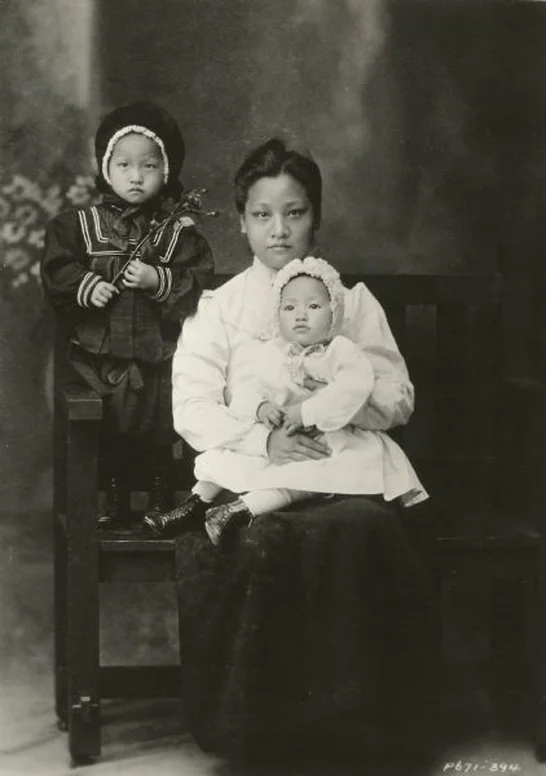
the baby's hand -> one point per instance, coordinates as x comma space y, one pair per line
313, 385
141, 276
270, 415
292, 416
103, 293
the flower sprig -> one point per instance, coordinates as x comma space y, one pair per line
190, 203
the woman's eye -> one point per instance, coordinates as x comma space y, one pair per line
123, 164
297, 212
151, 166
314, 306
261, 214
288, 308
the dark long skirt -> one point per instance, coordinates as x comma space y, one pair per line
318, 613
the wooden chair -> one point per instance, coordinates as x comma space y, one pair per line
475, 438
84, 559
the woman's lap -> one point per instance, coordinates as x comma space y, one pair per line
313, 612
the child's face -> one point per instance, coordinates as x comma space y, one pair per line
305, 315
136, 168
278, 221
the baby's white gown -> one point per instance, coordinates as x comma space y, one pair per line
362, 462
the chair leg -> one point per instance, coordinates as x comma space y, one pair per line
60, 631
60, 560
540, 660
82, 593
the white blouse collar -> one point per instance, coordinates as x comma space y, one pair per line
262, 272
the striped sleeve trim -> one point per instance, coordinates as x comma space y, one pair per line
86, 287
165, 286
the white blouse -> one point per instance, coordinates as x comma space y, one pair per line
212, 358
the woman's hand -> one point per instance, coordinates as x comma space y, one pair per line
103, 293
141, 276
285, 447
270, 414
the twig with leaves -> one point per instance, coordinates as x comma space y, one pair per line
190, 203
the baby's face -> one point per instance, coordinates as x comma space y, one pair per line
305, 315
136, 168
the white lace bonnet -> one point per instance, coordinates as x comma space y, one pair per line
315, 268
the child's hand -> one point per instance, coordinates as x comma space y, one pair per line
313, 385
103, 293
292, 416
141, 276
270, 415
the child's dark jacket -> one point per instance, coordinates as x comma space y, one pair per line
83, 246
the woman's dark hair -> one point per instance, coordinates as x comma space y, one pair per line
272, 159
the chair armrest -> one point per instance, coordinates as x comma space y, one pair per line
78, 402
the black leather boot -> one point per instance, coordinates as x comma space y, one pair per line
160, 498
223, 522
116, 514
186, 517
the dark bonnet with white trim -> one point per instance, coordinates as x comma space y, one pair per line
159, 125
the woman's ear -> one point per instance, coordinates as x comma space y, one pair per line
243, 225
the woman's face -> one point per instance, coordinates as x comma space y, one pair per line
278, 220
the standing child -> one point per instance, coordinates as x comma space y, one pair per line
308, 375
122, 276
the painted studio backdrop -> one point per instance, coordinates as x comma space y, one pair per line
427, 118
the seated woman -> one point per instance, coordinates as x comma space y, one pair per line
318, 614
307, 308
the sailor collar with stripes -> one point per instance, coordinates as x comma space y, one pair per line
98, 245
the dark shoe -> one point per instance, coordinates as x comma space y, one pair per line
187, 517
115, 516
160, 498
222, 523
